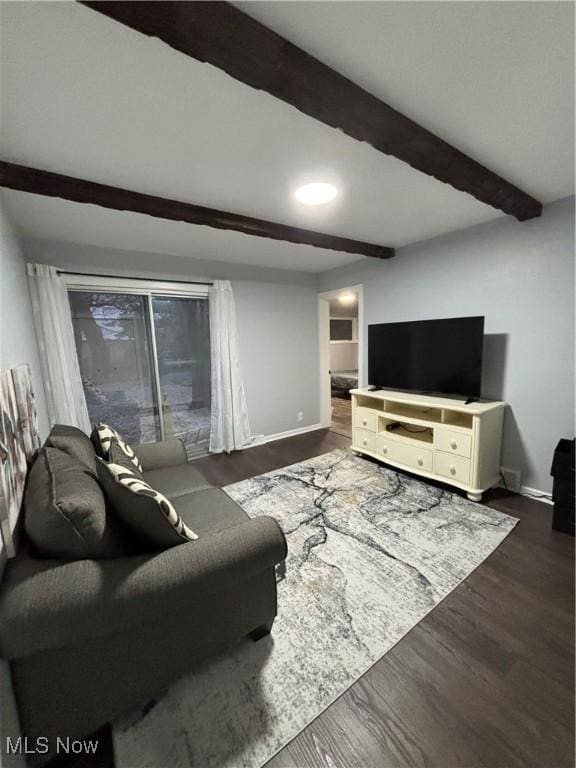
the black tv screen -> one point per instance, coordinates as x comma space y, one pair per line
427, 356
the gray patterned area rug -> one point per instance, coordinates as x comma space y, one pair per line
371, 552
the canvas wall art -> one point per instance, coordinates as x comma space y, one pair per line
26, 408
19, 440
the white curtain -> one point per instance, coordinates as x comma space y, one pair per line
229, 428
61, 372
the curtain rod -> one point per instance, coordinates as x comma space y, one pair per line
126, 277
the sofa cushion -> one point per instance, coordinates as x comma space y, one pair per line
65, 512
209, 510
146, 512
164, 453
74, 442
103, 437
176, 481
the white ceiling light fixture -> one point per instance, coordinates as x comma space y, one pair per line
347, 298
316, 193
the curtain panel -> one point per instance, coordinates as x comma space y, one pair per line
229, 425
65, 398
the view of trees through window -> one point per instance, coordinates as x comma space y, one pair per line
145, 364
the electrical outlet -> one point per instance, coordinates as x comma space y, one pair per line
512, 478
300, 416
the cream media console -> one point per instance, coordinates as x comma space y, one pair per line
436, 437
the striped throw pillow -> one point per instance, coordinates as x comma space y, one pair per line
145, 511
104, 436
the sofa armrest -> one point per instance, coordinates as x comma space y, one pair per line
48, 604
166, 453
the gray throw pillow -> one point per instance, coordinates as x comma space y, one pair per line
65, 512
146, 512
74, 442
103, 437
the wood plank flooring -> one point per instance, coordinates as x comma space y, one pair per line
341, 417
486, 680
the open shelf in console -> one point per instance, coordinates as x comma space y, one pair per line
406, 431
365, 401
457, 419
416, 412
427, 414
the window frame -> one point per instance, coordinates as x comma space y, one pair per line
149, 289
78, 282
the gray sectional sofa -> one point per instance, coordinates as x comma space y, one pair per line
88, 640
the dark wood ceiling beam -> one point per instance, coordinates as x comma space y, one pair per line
221, 35
38, 182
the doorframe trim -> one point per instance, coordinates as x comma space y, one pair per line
324, 344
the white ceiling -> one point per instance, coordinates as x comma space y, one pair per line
86, 96
496, 79
53, 219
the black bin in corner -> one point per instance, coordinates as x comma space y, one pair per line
563, 488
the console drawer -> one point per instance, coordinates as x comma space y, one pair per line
366, 419
410, 455
453, 467
453, 442
365, 440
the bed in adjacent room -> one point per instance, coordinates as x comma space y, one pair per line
342, 382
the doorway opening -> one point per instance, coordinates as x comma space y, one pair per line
341, 329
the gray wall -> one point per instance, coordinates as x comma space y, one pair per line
17, 346
278, 334
521, 277
277, 323
17, 336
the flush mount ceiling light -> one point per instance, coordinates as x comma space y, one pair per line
347, 298
317, 193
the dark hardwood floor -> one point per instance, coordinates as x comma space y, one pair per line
485, 680
224, 469
341, 417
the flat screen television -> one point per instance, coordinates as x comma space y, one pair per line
427, 356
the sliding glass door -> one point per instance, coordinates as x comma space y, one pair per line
112, 334
182, 341
145, 363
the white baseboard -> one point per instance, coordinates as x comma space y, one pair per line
263, 439
527, 490
545, 496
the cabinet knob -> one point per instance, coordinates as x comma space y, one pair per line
365, 442
452, 469
364, 422
453, 445
384, 450
420, 461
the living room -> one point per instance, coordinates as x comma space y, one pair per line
287, 384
